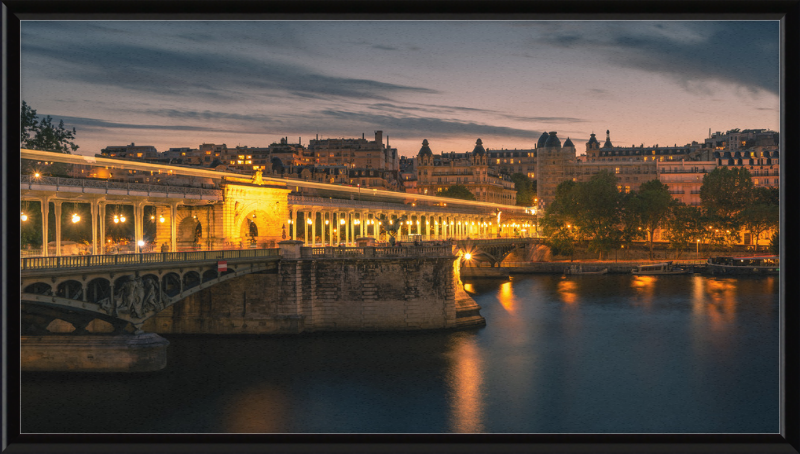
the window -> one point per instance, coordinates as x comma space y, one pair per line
616, 170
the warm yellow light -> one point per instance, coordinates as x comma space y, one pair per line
309, 222
161, 219
341, 221
75, 218
23, 216
116, 219
36, 175
122, 218
327, 222
468, 256
152, 218
141, 243
698, 241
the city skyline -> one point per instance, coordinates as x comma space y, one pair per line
180, 84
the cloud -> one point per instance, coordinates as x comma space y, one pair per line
207, 75
382, 47
94, 124
694, 54
413, 127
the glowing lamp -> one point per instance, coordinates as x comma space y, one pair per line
341, 221
326, 222
310, 222
141, 243
23, 216
152, 218
75, 218
116, 219
122, 218
161, 219
468, 256
36, 175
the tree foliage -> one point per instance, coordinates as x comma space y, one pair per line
775, 244
761, 213
458, 191
685, 225
41, 134
649, 206
725, 193
526, 189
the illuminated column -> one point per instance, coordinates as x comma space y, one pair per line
57, 204
101, 205
173, 226
45, 218
294, 223
94, 210
305, 228
138, 214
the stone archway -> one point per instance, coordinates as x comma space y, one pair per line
187, 235
257, 222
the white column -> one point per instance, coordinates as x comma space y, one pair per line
45, 218
293, 217
173, 226
138, 214
57, 204
101, 205
94, 210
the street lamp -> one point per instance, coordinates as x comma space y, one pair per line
697, 256
161, 219
75, 218
23, 216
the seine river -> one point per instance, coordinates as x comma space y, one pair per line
586, 354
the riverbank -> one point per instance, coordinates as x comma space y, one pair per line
558, 267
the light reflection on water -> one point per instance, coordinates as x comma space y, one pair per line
610, 353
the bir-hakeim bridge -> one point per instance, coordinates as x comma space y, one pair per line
227, 253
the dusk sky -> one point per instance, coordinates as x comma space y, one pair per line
183, 83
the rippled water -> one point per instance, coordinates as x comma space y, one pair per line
586, 354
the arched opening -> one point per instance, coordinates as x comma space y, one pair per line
171, 283
255, 230
70, 289
97, 326
190, 233
191, 279
39, 288
60, 326
209, 275
98, 289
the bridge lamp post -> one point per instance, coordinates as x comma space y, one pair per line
697, 254
23, 216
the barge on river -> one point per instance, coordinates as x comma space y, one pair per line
657, 269
765, 264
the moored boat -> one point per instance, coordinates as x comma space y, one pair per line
578, 269
765, 264
659, 269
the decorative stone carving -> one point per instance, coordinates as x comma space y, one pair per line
135, 298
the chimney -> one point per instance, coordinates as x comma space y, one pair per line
317, 136
299, 140
379, 137
362, 136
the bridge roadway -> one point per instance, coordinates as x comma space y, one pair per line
233, 210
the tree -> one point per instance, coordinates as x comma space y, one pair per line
526, 189
775, 244
599, 212
761, 214
458, 191
559, 219
724, 194
685, 226
650, 205
41, 134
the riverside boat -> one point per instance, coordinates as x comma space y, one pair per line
659, 269
765, 264
578, 269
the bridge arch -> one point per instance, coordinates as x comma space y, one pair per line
189, 229
171, 284
71, 289
209, 275
190, 279
98, 288
39, 288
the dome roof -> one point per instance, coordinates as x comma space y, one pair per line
542, 140
568, 143
277, 165
478, 150
553, 141
593, 141
425, 150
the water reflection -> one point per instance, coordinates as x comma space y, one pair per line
722, 302
645, 289
260, 409
567, 291
469, 288
465, 380
506, 297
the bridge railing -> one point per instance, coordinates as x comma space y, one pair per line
371, 251
84, 261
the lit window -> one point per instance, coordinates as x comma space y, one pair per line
241, 156
616, 170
